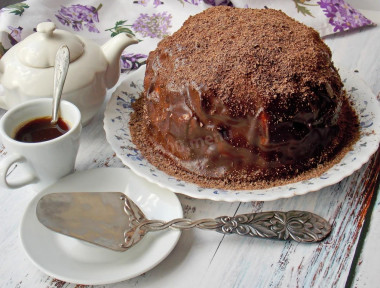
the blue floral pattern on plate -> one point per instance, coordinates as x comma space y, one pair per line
116, 125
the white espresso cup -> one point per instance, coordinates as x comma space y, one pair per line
45, 161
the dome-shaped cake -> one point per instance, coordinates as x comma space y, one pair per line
241, 97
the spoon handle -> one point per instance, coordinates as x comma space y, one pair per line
62, 60
300, 226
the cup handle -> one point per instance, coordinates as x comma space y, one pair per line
6, 163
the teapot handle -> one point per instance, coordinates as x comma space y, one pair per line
2, 97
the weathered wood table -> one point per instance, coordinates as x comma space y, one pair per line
349, 257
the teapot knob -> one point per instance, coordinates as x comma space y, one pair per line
46, 27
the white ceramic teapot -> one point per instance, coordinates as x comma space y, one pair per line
27, 69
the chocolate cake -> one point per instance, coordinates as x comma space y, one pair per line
242, 98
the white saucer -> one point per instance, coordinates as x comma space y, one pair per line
75, 261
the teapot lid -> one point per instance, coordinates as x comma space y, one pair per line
39, 49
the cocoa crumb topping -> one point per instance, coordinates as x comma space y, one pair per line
243, 99
248, 56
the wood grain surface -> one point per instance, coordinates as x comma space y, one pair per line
208, 259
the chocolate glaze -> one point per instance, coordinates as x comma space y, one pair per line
216, 108
214, 143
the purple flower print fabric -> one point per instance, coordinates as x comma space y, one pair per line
325, 16
15, 34
342, 16
79, 16
156, 25
131, 61
152, 20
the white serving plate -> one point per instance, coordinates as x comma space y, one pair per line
116, 125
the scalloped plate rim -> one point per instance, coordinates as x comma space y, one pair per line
245, 195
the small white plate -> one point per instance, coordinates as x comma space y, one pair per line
76, 261
116, 125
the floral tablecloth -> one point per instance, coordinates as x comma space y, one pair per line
152, 20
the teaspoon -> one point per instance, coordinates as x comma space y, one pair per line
61, 66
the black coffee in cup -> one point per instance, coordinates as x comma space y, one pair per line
40, 130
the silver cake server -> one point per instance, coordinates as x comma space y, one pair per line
114, 221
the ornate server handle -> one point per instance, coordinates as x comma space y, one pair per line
300, 226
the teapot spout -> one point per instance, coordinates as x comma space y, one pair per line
112, 51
